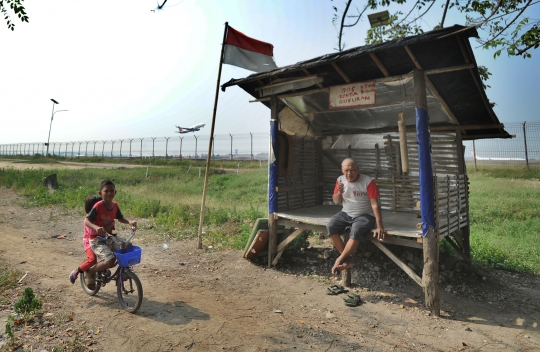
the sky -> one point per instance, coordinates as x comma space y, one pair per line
124, 71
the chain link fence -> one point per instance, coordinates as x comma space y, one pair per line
250, 146
522, 150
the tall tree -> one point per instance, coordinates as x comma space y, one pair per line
17, 8
505, 25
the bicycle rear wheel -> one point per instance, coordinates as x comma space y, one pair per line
85, 288
130, 292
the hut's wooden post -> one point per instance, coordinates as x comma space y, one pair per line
466, 231
347, 273
273, 163
430, 275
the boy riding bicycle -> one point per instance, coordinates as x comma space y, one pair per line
101, 219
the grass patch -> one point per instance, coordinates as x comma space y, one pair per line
505, 224
8, 278
171, 197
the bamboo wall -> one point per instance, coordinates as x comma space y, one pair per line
312, 171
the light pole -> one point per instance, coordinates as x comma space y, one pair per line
52, 117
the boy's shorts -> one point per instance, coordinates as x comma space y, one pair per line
104, 251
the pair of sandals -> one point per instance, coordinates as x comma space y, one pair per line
353, 300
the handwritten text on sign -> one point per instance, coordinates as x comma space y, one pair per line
349, 95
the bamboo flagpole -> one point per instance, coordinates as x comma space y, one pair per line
201, 219
239, 50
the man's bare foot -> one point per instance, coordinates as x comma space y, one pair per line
338, 268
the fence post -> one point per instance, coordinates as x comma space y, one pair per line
251, 135
86, 150
166, 146
103, 149
141, 146
231, 145
181, 139
72, 145
121, 142
153, 139
474, 155
196, 139
112, 148
525, 141
130, 147
94, 152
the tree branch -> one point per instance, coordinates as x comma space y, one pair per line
342, 22
519, 52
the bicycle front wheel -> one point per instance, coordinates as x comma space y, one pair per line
130, 292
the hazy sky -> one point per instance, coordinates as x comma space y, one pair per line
123, 71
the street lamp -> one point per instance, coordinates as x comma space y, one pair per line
52, 117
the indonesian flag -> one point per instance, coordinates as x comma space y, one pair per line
251, 54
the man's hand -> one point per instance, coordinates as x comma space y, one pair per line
133, 224
101, 232
341, 187
379, 233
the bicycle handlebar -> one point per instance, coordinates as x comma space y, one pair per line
107, 235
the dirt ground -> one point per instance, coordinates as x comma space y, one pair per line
206, 300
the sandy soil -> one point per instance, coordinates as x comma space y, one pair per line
205, 300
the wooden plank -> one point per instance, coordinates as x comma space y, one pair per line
289, 239
399, 263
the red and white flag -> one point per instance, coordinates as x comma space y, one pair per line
251, 54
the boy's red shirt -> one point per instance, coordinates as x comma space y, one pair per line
103, 217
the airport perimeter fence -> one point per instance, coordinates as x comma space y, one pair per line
522, 150
245, 146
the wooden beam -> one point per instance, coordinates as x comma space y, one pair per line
305, 70
403, 242
341, 72
430, 276
272, 218
330, 157
411, 129
467, 55
379, 64
399, 263
299, 187
432, 87
480, 136
299, 225
395, 102
378, 80
289, 239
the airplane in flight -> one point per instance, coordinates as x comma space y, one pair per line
190, 129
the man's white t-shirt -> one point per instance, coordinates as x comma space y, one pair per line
357, 195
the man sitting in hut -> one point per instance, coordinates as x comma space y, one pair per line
361, 213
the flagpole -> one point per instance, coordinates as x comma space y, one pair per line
201, 220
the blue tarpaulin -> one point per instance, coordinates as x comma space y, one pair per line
427, 199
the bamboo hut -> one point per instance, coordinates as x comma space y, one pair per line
401, 109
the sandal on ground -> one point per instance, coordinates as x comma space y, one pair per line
90, 281
73, 276
336, 289
353, 300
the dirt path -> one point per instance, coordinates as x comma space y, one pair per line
199, 300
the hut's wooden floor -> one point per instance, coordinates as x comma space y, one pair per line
401, 223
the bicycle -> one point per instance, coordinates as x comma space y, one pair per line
128, 285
